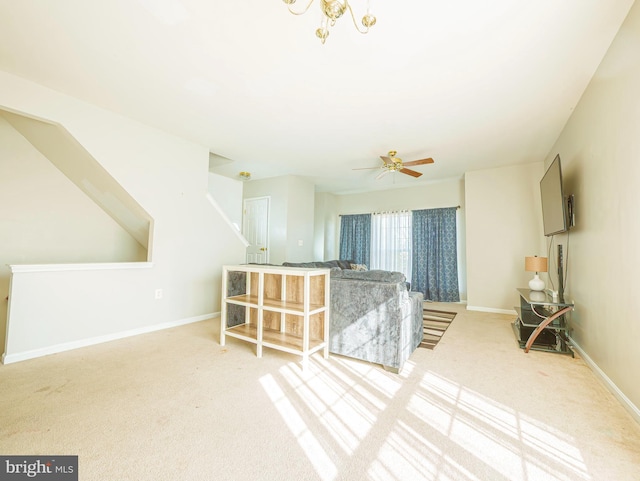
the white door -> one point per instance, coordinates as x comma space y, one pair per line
255, 228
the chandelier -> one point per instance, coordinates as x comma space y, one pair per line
332, 10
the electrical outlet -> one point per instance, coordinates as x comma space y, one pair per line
158, 294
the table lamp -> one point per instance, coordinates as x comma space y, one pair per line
535, 264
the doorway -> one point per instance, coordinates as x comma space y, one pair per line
255, 228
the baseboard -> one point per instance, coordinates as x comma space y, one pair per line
462, 302
492, 310
609, 384
68, 346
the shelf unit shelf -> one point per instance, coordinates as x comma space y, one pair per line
274, 339
283, 308
275, 304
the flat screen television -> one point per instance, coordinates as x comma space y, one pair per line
554, 205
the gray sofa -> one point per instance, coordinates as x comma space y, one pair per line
374, 317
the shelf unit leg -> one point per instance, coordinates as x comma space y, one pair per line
260, 314
247, 289
283, 290
259, 334
306, 320
223, 308
326, 315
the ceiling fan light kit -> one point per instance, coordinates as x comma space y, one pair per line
332, 10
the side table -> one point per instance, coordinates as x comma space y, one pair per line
541, 324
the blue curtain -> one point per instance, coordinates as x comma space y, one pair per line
355, 238
435, 256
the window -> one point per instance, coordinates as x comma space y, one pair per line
422, 244
391, 242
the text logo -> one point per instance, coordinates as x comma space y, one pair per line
46, 468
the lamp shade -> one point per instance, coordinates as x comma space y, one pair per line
535, 264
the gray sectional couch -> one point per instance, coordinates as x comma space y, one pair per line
374, 316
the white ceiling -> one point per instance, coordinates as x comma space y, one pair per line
472, 84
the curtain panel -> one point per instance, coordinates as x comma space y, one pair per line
355, 238
435, 256
391, 242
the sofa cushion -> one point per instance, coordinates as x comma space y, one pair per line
320, 264
344, 264
308, 265
373, 275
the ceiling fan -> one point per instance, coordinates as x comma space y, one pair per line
391, 163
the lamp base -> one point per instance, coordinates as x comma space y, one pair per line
536, 284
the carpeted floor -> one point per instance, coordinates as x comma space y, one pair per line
175, 405
435, 324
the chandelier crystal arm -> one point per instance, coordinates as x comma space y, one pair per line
355, 23
301, 12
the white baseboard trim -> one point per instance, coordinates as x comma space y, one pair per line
609, 384
68, 346
79, 267
491, 309
462, 302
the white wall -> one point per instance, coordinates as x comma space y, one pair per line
449, 193
600, 152
44, 217
504, 225
325, 227
168, 177
291, 216
56, 143
435, 195
300, 220
228, 194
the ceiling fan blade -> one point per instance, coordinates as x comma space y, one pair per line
382, 174
386, 160
366, 168
410, 172
419, 162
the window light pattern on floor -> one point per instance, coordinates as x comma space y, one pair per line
353, 420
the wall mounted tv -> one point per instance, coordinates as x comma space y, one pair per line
555, 215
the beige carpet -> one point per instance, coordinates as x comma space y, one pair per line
175, 405
435, 324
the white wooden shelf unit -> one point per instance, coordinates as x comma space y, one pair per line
285, 308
